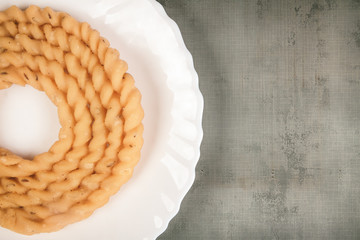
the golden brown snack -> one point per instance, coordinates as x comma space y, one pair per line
100, 114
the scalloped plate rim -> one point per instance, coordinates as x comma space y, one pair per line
176, 30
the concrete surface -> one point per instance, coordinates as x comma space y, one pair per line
281, 151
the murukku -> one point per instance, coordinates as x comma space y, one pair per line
99, 110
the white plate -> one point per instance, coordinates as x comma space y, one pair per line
152, 45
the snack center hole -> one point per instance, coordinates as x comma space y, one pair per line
29, 123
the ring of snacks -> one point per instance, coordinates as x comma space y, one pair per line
99, 111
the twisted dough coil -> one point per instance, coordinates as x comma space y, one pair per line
99, 111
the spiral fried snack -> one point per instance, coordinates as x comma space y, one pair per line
99, 111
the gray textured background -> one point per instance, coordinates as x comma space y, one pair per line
281, 151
